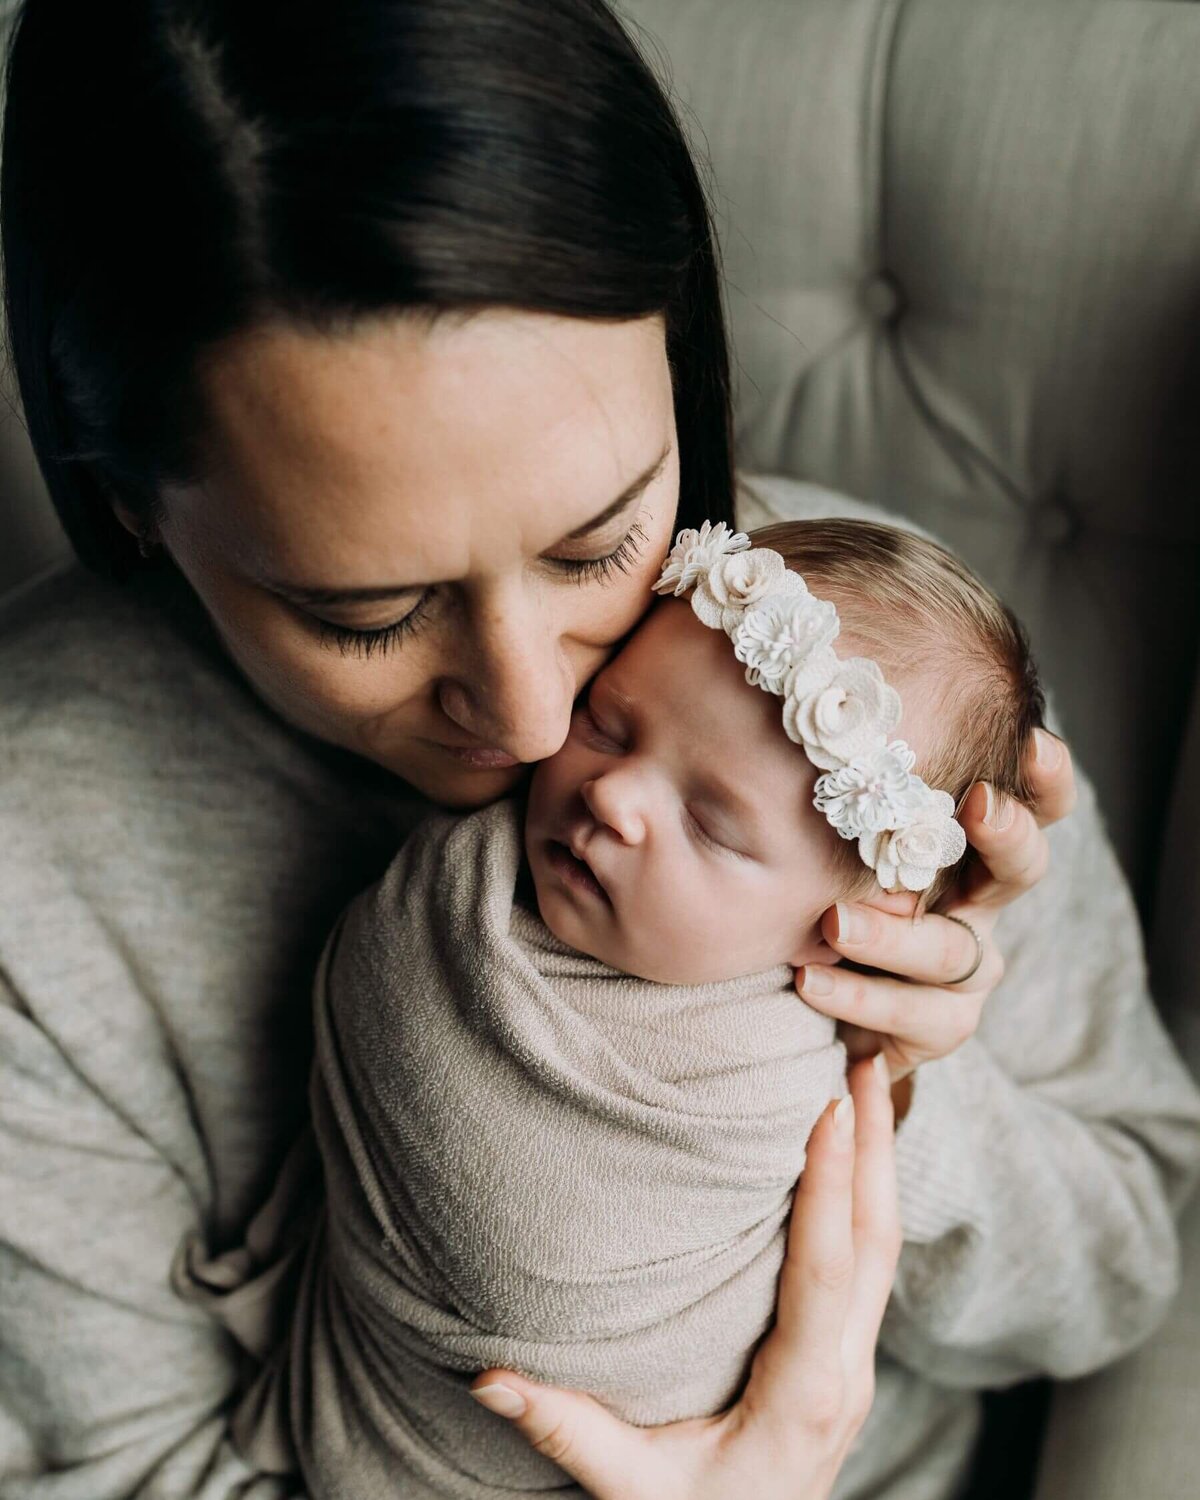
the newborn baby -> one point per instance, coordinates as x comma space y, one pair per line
563, 1080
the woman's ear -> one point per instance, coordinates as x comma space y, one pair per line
144, 533
126, 518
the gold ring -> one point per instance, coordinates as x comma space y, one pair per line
962, 978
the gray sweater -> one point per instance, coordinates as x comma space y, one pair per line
173, 856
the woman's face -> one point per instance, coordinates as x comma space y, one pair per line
420, 543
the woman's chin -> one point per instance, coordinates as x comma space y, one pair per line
460, 787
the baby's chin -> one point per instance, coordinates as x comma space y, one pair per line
588, 923
570, 925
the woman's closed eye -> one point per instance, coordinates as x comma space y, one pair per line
604, 568
352, 641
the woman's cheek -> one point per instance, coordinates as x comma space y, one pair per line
615, 607
314, 680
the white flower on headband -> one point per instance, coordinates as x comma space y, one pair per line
694, 553
911, 856
871, 794
840, 712
849, 712
739, 580
775, 636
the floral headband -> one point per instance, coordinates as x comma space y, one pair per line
840, 712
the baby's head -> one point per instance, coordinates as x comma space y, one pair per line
674, 835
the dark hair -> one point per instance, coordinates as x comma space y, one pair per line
177, 170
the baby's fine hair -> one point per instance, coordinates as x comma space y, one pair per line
922, 614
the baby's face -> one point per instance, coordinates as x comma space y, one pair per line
673, 836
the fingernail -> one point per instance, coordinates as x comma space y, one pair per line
1046, 749
999, 810
882, 1071
853, 924
817, 982
501, 1399
843, 1116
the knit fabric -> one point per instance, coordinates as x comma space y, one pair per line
533, 1161
174, 858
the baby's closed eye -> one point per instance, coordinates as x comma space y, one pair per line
709, 838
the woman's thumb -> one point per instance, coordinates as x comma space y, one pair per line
606, 1456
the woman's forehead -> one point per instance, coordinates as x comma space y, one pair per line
397, 443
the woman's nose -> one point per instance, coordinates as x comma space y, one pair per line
518, 688
615, 803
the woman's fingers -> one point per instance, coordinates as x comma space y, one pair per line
801, 1360
1013, 850
876, 1209
1052, 776
816, 1364
916, 1022
930, 949
608, 1457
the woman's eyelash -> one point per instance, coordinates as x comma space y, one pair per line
619, 560
352, 642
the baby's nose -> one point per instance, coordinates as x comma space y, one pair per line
613, 802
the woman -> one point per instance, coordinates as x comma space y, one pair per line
371, 354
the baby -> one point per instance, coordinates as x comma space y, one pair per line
563, 1081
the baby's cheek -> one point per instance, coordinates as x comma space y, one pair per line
693, 917
555, 781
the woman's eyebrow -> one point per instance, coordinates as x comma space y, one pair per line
631, 492
302, 594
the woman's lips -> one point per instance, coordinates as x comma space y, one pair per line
573, 870
481, 758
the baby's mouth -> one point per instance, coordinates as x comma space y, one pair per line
574, 870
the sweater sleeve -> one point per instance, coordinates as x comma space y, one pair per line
1042, 1164
110, 1386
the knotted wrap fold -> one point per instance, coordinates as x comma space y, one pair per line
530, 1160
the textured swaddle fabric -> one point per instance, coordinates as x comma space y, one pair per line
530, 1160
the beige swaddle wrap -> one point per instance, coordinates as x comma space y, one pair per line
530, 1160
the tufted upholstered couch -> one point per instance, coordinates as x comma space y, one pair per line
962, 241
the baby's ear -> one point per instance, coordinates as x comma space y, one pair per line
815, 950
899, 903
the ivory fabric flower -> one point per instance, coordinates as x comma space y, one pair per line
775, 636
870, 795
739, 580
910, 857
849, 714
694, 553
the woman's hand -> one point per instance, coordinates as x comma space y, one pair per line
812, 1379
915, 1011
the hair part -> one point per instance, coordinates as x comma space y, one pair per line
935, 629
218, 164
